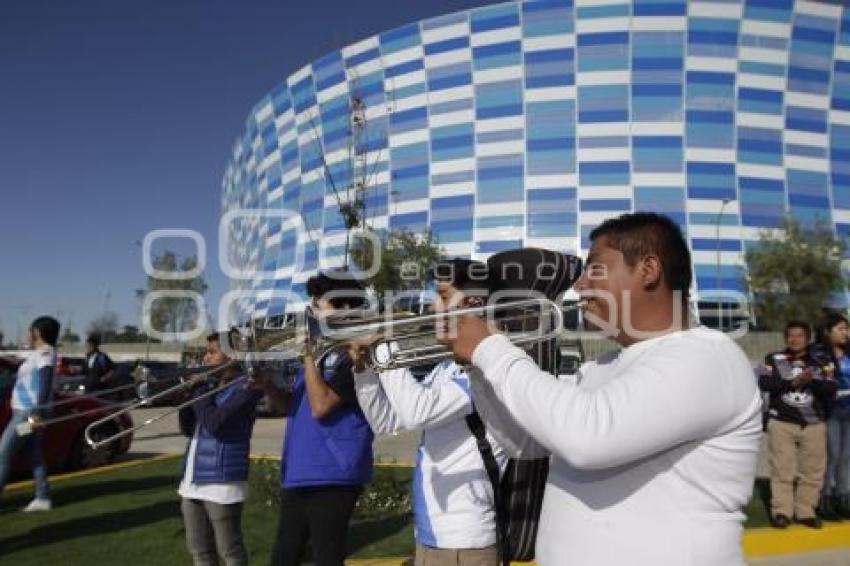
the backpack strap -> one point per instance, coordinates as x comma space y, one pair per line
476, 426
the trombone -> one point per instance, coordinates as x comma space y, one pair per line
186, 385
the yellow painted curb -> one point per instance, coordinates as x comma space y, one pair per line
93, 471
795, 540
758, 543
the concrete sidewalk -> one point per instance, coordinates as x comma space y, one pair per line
164, 437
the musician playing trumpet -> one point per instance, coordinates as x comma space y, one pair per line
327, 452
654, 449
453, 502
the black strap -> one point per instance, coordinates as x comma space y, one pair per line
476, 426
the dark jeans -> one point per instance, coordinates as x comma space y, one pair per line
211, 526
320, 514
838, 453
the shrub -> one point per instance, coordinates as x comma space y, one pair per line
388, 494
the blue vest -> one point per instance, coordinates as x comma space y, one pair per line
224, 457
335, 450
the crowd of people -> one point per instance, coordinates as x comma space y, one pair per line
808, 423
643, 463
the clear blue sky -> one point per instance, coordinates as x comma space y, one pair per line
117, 117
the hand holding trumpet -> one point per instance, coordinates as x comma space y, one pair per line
466, 334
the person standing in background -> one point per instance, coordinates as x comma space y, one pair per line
801, 391
832, 345
99, 367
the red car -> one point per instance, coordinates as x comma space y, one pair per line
65, 447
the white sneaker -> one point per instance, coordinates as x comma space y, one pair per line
38, 505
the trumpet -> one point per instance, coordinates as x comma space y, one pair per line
400, 340
396, 340
186, 385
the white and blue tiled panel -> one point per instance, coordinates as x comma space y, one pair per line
528, 123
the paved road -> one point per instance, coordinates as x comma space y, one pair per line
164, 437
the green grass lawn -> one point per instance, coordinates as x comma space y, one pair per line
132, 515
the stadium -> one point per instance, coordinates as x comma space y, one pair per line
529, 123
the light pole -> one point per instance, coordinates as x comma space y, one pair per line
717, 271
141, 297
395, 194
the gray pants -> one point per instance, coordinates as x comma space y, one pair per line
210, 527
430, 556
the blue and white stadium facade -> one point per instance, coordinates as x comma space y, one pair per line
528, 123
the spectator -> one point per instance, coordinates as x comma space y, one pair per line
215, 478
327, 451
832, 338
32, 392
99, 367
801, 389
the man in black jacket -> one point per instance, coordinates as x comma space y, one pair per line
801, 389
99, 367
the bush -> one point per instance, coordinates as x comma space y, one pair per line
264, 481
388, 494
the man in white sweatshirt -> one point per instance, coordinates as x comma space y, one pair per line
654, 449
453, 506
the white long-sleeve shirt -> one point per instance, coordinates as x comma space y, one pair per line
452, 496
654, 449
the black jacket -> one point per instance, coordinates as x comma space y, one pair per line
799, 405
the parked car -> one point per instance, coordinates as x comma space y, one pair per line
152, 377
75, 383
70, 365
65, 447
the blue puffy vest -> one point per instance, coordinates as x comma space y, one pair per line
335, 450
223, 455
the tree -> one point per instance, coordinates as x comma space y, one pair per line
792, 275
130, 334
405, 259
106, 325
69, 337
173, 314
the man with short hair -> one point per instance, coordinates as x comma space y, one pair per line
801, 390
654, 450
327, 451
32, 393
99, 367
453, 503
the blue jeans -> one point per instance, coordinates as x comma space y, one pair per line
33, 443
838, 452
